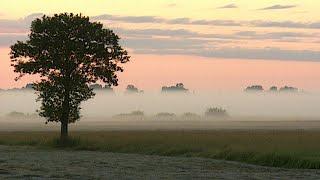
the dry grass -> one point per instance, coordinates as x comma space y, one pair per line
291, 149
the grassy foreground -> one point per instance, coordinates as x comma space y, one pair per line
289, 149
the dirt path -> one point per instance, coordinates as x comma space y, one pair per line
30, 163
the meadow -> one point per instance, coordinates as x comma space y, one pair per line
277, 148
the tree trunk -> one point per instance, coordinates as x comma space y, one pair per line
65, 116
64, 131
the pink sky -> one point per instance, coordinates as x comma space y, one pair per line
151, 72
198, 43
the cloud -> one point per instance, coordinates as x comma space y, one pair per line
242, 53
183, 41
217, 22
241, 35
286, 24
209, 45
129, 19
31, 17
156, 32
283, 36
278, 6
228, 6
11, 38
20, 25
161, 44
154, 19
264, 53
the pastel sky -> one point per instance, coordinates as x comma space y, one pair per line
206, 44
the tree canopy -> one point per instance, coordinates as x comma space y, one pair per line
179, 87
69, 53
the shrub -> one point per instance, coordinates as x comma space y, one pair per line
216, 112
137, 113
165, 114
133, 114
16, 114
189, 115
254, 88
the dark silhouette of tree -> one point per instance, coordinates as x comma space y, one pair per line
254, 88
288, 89
216, 112
273, 88
99, 87
179, 87
132, 89
68, 52
96, 86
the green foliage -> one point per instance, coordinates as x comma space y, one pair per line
68, 52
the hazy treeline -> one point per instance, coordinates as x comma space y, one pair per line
105, 104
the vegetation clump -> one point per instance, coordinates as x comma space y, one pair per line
273, 89
130, 116
254, 88
131, 89
20, 115
288, 89
216, 112
165, 115
190, 116
99, 87
15, 114
179, 87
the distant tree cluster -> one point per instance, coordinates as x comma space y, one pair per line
165, 114
288, 89
16, 114
259, 88
100, 87
254, 88
131, 89
216, 112
273, 89
179, 87
133, 113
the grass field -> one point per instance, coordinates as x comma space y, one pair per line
278, 148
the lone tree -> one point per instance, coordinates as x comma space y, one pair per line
69, 53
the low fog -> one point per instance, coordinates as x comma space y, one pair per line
106, 104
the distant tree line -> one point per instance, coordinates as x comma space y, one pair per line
211, 112
179, 87
259, 88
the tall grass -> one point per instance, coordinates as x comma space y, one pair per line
290, 149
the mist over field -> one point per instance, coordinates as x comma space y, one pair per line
300, 106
